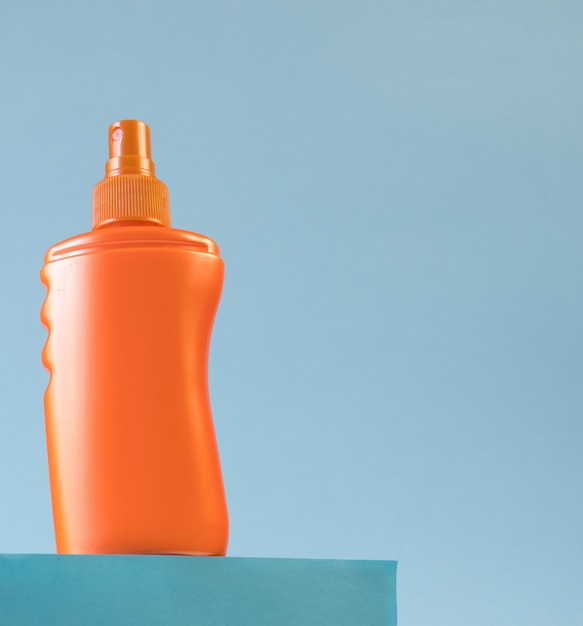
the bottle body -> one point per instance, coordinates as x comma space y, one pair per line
133, 460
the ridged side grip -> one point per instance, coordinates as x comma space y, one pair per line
45, 320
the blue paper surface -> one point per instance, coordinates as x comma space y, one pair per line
80, 589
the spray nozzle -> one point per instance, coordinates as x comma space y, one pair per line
129, 149
130, 191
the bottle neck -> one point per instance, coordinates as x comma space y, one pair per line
130, 191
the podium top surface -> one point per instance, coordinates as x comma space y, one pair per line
157, 590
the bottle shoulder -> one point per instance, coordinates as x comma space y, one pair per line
130, 236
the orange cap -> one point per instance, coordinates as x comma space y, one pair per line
130, 190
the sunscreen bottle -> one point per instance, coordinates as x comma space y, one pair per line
133, 460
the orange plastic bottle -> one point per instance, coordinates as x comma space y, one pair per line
133, 461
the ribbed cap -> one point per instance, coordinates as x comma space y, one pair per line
130, 190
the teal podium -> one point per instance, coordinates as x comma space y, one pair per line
158, 590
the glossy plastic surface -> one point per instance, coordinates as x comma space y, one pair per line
133, 460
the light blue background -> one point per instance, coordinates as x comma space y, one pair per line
396, 367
